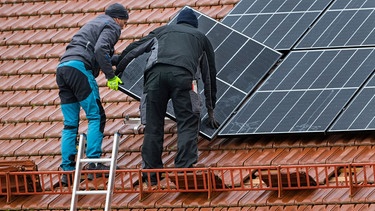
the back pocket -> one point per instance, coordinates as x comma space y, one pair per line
196, 103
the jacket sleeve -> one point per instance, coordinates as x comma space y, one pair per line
104, 47
208, 69
134, 53
145, 41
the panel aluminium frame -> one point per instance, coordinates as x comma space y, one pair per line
277, 24
305, 94
241, 64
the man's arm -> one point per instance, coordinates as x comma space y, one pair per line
107, 39
209, 75
209, 78
131, 47
134, 53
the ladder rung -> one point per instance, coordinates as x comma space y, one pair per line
109, 191
91, 192
95, 160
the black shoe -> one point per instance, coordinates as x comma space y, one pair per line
66, 181
145, 184
98, 166
153, 179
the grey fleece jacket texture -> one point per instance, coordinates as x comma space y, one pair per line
94, 45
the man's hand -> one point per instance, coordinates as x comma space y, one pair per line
211, 122
114, 82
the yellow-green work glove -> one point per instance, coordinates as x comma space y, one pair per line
114, 82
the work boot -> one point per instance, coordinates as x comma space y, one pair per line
97, 166
153, 179
66, 181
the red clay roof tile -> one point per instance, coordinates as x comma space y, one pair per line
289, 156
263, 157
130, 160
9, 10
35, 130
44, 97
44, 23
162, 4
31, 8
9, 147
30, 202
86, 18
28, 91
133, 5
164, 16
55, 51
181, 3
366, 155
22, 113
33, 66
48, 111
70, 20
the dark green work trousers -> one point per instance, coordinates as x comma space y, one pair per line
164, 82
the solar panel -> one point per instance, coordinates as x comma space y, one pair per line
305, 93
360, 114
277, 24
240, 61
349, 23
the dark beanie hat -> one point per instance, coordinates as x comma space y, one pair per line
116, 10
187, 15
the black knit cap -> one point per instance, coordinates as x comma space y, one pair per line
117, 10
188, 16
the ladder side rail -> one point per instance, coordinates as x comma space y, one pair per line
112, 172
77, 174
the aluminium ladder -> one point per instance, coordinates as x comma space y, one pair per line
77, 175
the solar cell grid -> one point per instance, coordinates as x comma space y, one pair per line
305, 93
347, 23
352, 4
360, 113
277, 24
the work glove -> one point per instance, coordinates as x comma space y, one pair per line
211, 122
114, 82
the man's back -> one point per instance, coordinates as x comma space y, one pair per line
181, 45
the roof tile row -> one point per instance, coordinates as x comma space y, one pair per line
25, 67
33, 36
35, 51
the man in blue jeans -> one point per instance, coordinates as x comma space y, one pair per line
90, 50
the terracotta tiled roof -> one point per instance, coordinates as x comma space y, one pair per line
34, 35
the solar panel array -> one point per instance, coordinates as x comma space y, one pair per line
345, 24
277, 24
320, 85
306, 92
325, 83
360, 114
240, 61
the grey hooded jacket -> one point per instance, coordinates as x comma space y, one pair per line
94, 45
